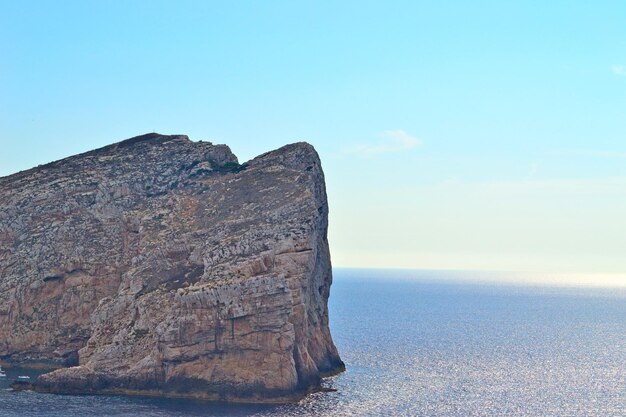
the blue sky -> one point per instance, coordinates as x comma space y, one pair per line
480, 135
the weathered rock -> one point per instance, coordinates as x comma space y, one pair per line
162, 266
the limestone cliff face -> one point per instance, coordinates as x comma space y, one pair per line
161, 266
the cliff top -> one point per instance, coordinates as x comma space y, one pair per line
137, 142
148, 143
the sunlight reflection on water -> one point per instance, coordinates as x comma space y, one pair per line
414, 347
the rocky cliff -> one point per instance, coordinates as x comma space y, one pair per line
161, 266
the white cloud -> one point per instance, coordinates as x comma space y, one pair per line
391, 141
609, 154
532, 170
619, 69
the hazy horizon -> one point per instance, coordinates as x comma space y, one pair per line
488, 277
453, 136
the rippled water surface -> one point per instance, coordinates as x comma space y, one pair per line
422, 346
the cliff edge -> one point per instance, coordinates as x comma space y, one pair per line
162, 266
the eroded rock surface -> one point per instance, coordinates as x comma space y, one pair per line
162, 266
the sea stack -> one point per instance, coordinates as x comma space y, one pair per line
161, 266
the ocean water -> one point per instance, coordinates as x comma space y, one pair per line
429, 344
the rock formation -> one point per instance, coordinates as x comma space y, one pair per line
161, 266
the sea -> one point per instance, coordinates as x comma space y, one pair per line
431, 343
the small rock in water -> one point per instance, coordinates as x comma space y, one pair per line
22, 385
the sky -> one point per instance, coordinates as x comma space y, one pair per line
486, 135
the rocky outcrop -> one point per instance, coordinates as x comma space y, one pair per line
161, 266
